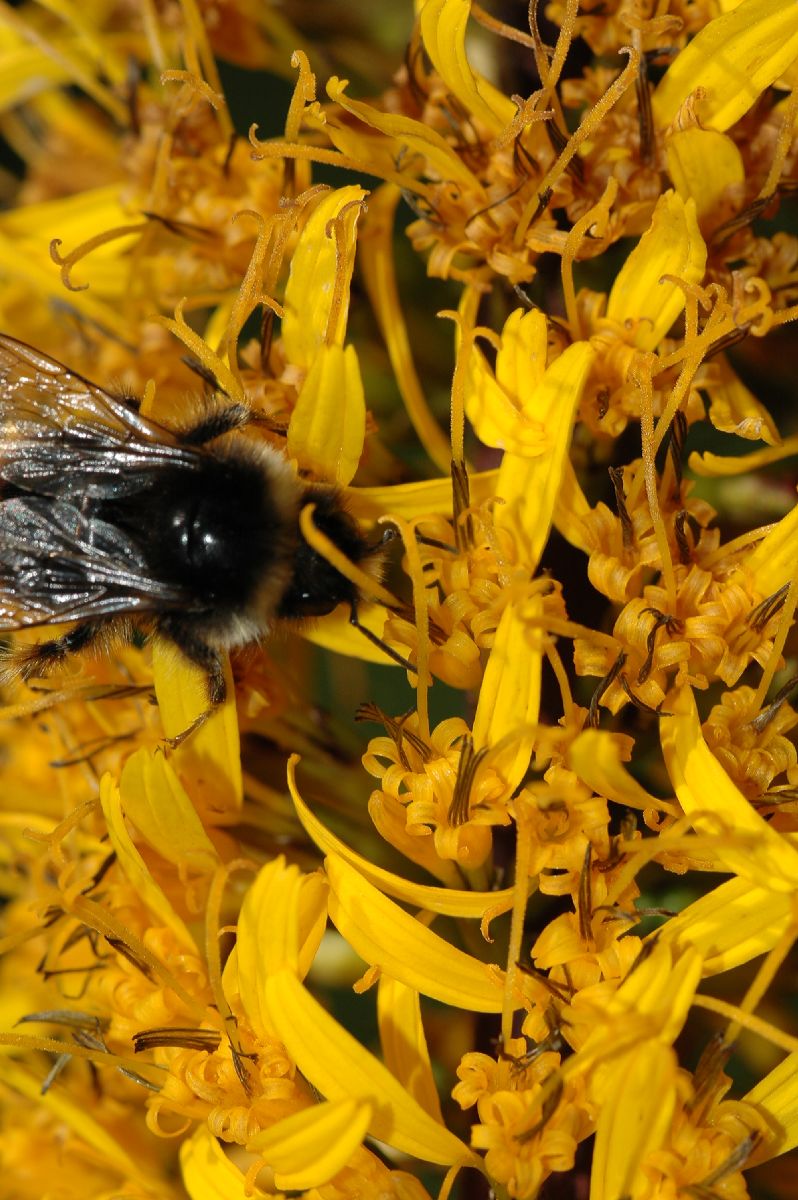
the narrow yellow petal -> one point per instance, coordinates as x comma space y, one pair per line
529, 487
732, 924
702, 164
633, 1120
208, 1173
384, 935
777, 1096
404, 1045
133, 864
281, 925
328, 425
596, 758
412, 500
732, 59
209, 761
492, 402
420, 139
313, 283
443, 26
509, 698
711, 465
154, 799
672, 245
449, 902
340, 1068
772, 563
704, 789
735, 409
308, 1148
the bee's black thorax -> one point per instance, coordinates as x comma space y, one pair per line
316, 588
213, 530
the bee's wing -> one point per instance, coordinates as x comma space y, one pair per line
58, 565
62, 435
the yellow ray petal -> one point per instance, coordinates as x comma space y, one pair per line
209, 761
492, 402
340, 1068
133, 864
446, 901
633, 1120
328, 425
704, 788
672, 245
732, 924
412, 500
313, 281
281, 925
420, 139
384, 935
308, 1148
509, 698
596, 757
208, 1173
733, 59
702, 164
443, 26
710, 465
772, 563
777, 1096
529, 487
735, 409
404, 1045
158, 805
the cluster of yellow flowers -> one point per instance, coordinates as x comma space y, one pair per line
606, 657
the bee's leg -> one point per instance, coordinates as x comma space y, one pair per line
354, 620
204, 656
39, 658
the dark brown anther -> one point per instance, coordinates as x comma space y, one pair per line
395, 728
743, 219
460, 807
584, 903
680, 523
552, 1092
764, 718
672, 625
461, 501
677, 436
768, 608
627, 528
604, 685
645, 118
559, 141
185, 1038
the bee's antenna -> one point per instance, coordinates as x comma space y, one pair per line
354, 620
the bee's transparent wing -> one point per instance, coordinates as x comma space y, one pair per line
61, 435
58, 565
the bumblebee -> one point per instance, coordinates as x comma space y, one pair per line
111, 521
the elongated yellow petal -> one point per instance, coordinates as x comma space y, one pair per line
208, 1173
328, 425
711, 465
777, 1096
772, 563
314, 283
209, 761
308, 1148
509, 698
733, 59
443, 26
672, 245
282, 922
158, 805
732, 924
704, 788
384, 935
411, 500
702, 164
446, 901
633, 1120
733, 408
404, 1046
420, 139
596, 758
339, 1067
529, 487
493, 403
133, 864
